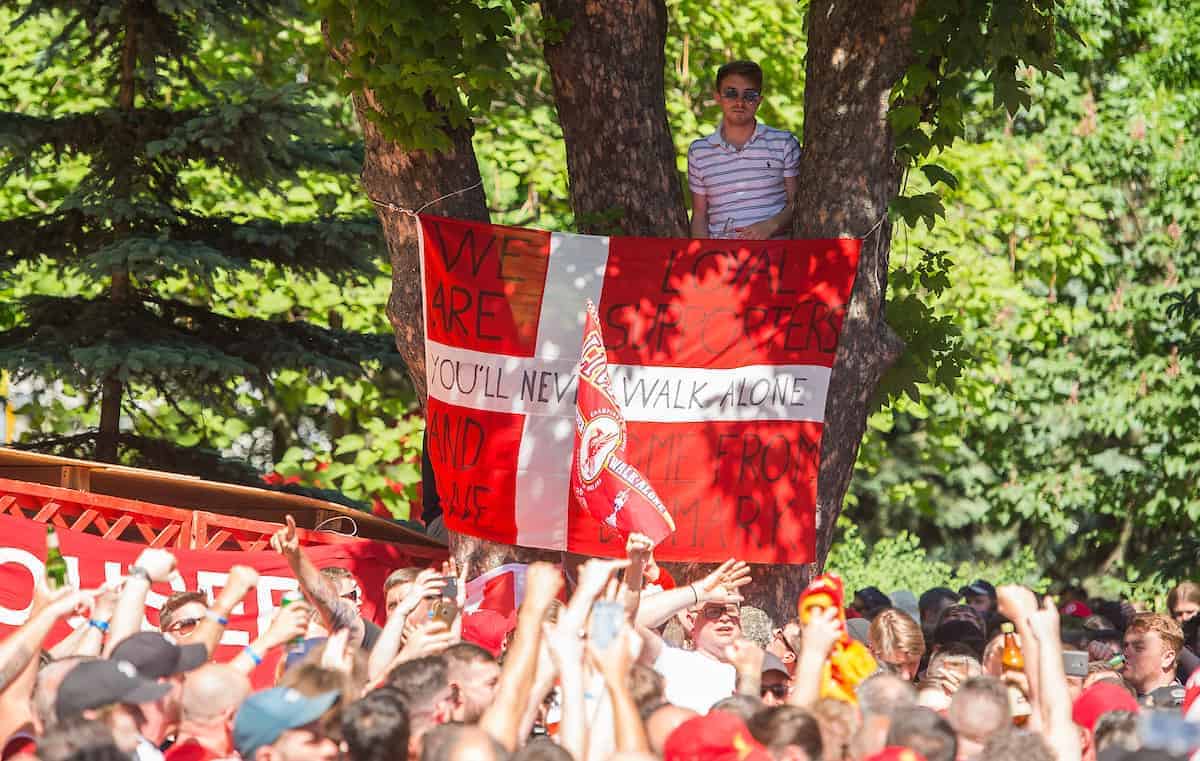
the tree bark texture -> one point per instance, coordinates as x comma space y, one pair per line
608, 87
857, 50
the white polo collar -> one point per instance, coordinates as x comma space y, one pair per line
717, 139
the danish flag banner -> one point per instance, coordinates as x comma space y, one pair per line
719, 354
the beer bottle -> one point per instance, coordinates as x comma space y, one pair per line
1014, 662
56, 565
287, 599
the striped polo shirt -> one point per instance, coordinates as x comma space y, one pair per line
742, 186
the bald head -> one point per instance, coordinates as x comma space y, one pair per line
460, 742
211, 691
661, 723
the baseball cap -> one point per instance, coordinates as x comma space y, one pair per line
1077, 609
859, 629
873, 598
95, 684
896, 753
156, 657
1098, 700
719, 736
978, 587
265, 715
772, 662
906, 601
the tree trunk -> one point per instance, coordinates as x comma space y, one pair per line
608, 87
856, 52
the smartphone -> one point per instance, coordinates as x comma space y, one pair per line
445, 608
1075, 662
607, 617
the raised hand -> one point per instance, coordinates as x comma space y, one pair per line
157, 563
1045, 623
543, 582
242, 578
430, 638
1016, 603
565, 647
745, 656
822, 632
722, 585
595, 573
427, 584
615, 662
285, 541
290, 622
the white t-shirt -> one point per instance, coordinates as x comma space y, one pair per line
694, 680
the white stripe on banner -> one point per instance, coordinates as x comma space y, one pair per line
575, 273
541, 387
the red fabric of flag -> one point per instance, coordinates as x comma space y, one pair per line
604, 483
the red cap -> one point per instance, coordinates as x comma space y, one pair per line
1098, 700
1076, 609
487, 628
719, 736
896, 753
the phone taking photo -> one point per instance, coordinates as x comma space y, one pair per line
445, 608
606, 623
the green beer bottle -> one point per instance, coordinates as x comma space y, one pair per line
56, 565
287, 599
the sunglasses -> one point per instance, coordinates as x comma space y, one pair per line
748, 96
183, 626
779, 635
352, 595
778, 690
714, 612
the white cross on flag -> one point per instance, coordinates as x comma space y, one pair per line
719, 354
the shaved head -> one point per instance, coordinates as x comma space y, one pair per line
662, 722
211, 690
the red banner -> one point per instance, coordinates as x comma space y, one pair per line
91, 561
720, 354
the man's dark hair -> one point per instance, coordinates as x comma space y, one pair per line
466, 653
166, 614
441, 742
1119, 728
778, 727
375, 727
925, 732
76, 738
959, 637
748, 69
1016, 745
419, 681
646, 686
741, 706
933, 599
542, 749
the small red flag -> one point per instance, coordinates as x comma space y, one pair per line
609, 488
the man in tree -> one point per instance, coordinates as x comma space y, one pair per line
743, 175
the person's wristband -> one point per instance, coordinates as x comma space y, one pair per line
137, 572
212, 615
101, 625
249, 651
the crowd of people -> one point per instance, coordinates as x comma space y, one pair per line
612, 667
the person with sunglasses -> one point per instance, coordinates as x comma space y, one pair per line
743, 176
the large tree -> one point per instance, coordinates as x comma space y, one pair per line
883, 81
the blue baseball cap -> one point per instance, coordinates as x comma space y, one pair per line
266, 715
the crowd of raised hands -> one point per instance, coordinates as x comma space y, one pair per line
607, 666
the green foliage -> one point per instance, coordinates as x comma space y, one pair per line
899, 562
253, 320
432, 64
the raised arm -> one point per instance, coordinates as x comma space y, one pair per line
720, 586
427, 583
503, 716
21, 648
818, 638
241, 579
289, 623
614, 664
1059, 729
151, 565
318, 590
